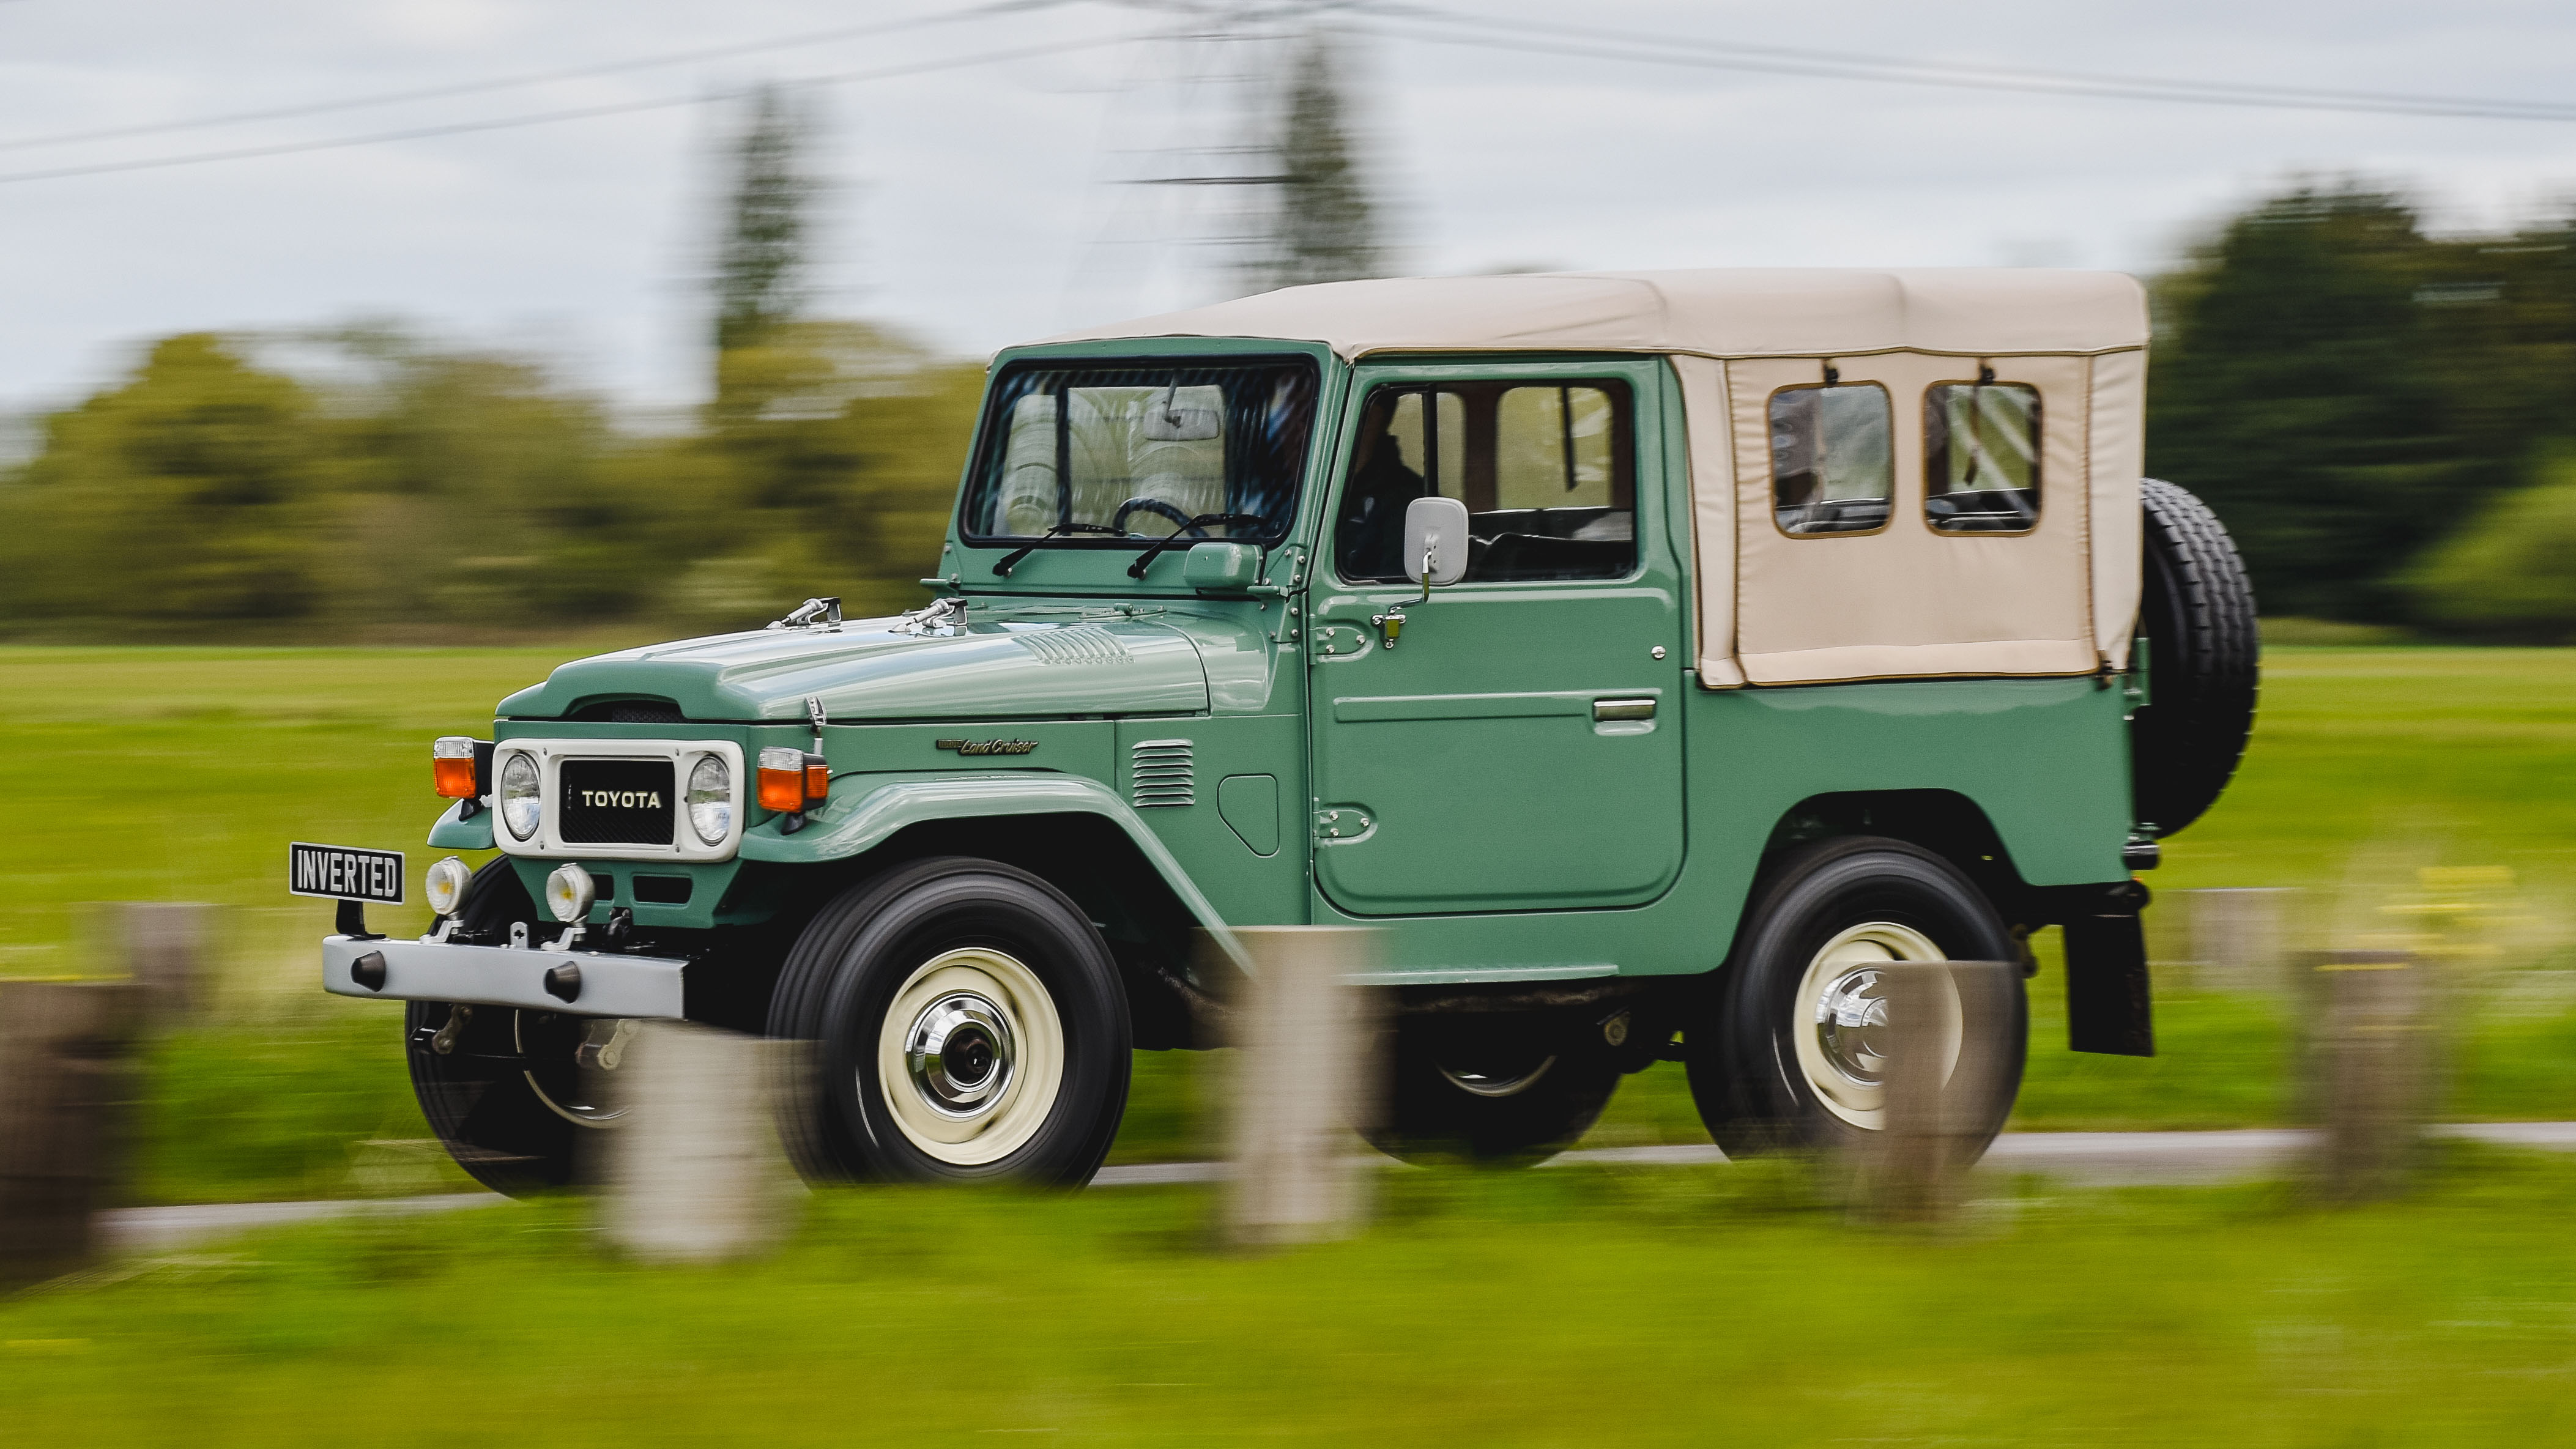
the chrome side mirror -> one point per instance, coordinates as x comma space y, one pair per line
1435, 542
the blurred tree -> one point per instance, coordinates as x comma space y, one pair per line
189, 496
761, 261
2512, 572
843, 444
481, 492
2296, 389
1320, 224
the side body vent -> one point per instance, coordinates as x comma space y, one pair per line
1160, 772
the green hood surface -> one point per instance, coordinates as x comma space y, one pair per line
878, 669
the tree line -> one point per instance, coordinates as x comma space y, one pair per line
2384, 418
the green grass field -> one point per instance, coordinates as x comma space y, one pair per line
1564, 1307
180, 774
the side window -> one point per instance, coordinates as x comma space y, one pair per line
1833, 458
1981, 457
1547, 471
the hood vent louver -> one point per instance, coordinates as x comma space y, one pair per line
1080, 644
1161, 773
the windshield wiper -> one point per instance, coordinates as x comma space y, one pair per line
1145, 560
1011, 560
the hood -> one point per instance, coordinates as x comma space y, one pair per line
884, 669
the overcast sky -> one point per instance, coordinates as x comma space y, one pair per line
985, 204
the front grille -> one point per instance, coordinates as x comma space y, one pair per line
1160, 772
615, 802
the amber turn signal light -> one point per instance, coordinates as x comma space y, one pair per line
456, 767
792, 781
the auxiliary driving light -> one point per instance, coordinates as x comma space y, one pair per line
569, 893
445, 886
453, 768
792, 781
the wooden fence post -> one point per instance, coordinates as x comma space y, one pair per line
1305, 1080
695, 1172
2371, 1067
65, 1083
166, 947
1939, 1084
2240, 936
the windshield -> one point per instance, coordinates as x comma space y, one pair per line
1102, 456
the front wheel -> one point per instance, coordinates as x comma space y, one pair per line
515, 1096
967, 1022
1790, 1050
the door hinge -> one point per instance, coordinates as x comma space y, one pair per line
1342, 822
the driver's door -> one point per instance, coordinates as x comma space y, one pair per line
1519, 746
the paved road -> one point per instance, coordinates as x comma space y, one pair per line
2097, 1158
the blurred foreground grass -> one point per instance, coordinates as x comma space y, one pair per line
180, 773
1569, 1306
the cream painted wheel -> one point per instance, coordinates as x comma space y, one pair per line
1840, 1016
970, 1056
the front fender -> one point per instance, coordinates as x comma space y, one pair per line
866, 811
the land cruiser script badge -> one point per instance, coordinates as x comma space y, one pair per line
987, 747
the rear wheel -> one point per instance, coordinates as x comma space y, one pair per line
967, 1022
1791, 1051
1503, 1090
511, 1094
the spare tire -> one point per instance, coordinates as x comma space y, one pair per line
2196, 614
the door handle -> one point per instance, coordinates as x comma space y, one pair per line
1610, 709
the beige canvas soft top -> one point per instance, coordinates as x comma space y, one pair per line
1904, 601
1717, 312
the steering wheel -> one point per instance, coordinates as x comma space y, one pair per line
1180, 520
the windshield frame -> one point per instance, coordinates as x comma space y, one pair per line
993, 431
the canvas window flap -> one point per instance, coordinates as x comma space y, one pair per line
1903, 600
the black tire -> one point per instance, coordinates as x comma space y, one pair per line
507, 1097
2196, 612
1753, 1089
844, 976
1501, 1090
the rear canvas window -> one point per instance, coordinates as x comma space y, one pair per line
1833, 458
1981, 457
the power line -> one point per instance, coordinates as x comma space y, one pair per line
539, 118
1605, 44
468, 88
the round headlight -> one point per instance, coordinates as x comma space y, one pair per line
520, 804
711, 799
569, 893
445, 886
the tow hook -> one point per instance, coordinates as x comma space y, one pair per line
445, 1041
603, 1044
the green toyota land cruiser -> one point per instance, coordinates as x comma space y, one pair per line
1652, 657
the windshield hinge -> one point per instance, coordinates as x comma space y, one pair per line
825, 610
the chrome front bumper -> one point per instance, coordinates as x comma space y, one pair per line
598, 984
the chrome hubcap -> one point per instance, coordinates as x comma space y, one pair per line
1850, 1019
1840, 1023
1498, 1084
970, 1056
961, 1053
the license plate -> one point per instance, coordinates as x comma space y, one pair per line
344, 873
615, 802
